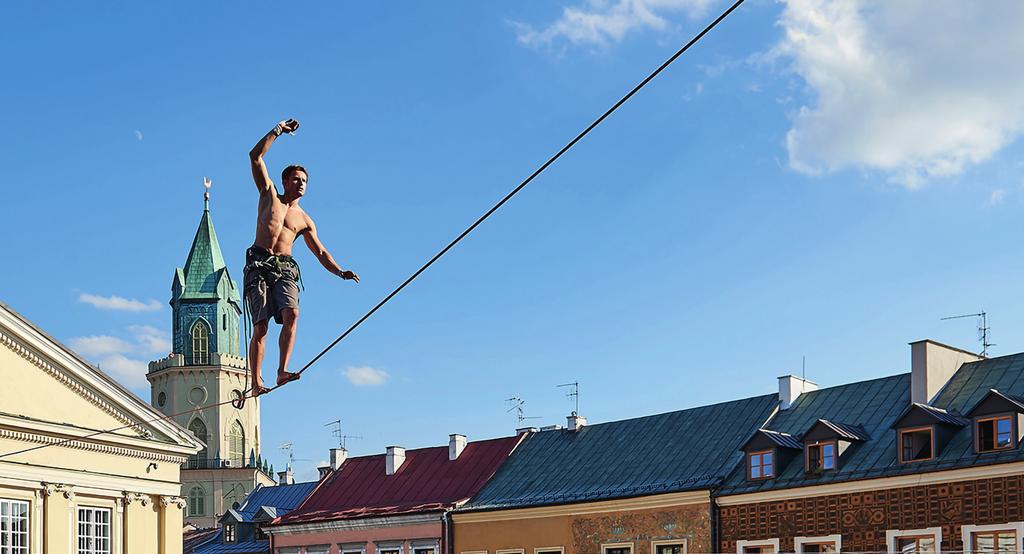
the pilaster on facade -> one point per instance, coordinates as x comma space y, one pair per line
50, 489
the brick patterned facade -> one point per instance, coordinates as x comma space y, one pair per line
640, 528
863, 518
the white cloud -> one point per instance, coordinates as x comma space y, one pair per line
916, 89
997, 196
600, 21
99, 345
118, 303
151, 340
138, 134
128, 372
365, 376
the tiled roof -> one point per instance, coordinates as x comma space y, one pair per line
677, 451
282, 498
844, 431
874, 406
195, 538
782, 439
426, 481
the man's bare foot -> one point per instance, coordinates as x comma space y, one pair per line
258, 390
286, 377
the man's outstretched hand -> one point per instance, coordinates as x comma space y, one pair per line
289, 126
348, 275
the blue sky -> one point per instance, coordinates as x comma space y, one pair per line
814, 179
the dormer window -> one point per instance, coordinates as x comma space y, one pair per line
821, 456
229, 532
916, 445
994, 433
761, 464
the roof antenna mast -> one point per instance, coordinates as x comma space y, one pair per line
983, 330
515, 403
336, 433
573, 395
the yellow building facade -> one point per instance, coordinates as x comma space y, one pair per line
67, 487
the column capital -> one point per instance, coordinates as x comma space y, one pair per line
130, 497
168, 501
50, 489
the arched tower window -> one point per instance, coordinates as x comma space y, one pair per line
198, 428
196, 501
236, 445
200, 343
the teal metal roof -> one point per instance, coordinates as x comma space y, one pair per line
677, 451
205, 261
874, 406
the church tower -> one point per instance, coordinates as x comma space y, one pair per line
205, 369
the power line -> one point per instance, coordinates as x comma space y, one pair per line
451, 244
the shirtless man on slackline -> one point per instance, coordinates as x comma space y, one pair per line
271, 274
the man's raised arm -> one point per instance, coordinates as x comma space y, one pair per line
259, 169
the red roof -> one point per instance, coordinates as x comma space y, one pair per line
426, 481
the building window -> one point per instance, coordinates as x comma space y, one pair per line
93, 531
668, 547
544, 550
762, 465
618, 548
13, 527
200, 344
994, 433
236, 444
425, 550
821, 456
994, 539
229, 532
916, 444
196, 501
766, 546
198, 429
818, 545
397, 549
916, 541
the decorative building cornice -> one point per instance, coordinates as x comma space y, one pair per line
168, 501
130, 497
20, 349
50, 489
91, 447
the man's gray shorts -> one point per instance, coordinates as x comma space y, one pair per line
268, 290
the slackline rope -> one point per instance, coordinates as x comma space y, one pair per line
444, 250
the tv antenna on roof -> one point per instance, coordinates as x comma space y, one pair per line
336, 432
516, 403
287, 447
983, 330
573, 395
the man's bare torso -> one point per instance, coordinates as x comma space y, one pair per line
278, 224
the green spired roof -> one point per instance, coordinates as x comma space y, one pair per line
205, 262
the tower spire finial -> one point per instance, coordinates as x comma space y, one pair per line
207, 183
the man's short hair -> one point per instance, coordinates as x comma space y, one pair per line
289, 169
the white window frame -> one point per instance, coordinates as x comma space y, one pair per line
606, 546
892, 534
27, 543
425, 544
92, 527
288, 550
774, 543
559, 549
319, 549
510, 551
798, 542
968, 532
399, 546
673, 542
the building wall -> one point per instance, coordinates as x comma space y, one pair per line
584, 528
408, 535
863, 517
222, 488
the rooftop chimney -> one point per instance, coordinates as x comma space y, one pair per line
932, 364
338, 457
575, 422
285, 477
790, 387
395, 459
456, 444
324, 471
